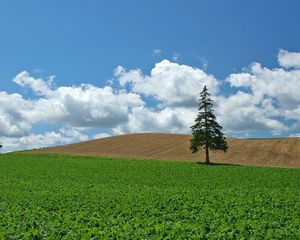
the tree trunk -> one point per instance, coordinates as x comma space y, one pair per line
206, 155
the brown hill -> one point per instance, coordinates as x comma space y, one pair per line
283, 152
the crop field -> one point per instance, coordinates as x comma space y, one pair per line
63, 197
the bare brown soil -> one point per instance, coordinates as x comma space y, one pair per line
283, 152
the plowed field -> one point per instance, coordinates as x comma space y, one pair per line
284, 152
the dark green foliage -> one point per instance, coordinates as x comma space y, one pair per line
207, 132
61, 197
1, 146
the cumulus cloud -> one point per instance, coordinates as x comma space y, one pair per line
72, 107
64, 135
38, 86
100, 135
244, 113
265, 99
170, 83
33, 141
172, 120
278, 83
73, 133
261, 100
77, 106
274, 95
289, 59
296, 135
13, 122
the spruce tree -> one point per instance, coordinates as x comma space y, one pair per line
207, 133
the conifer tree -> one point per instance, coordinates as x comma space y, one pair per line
207, 133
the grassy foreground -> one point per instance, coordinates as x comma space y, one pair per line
63, 197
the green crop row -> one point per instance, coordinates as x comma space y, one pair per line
63, 197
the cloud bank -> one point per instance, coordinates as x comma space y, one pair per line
261, 100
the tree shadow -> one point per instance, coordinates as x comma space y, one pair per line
217, 164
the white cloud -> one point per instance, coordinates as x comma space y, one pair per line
293, 114
73, 133
274, 93
170, 120
33, 141
241, 79
72, 107
65, 135
244, 113
100, 135
38, 86
295, 135
262, 99
13, 122
170, 83
77, 106
289, 59
265, 97
281, 85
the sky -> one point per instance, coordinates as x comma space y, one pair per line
76, 70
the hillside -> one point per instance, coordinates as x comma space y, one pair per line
283, 152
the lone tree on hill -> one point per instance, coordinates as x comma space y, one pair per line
207, 132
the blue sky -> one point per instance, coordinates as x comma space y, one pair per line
84, 42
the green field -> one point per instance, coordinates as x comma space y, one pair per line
63, 197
